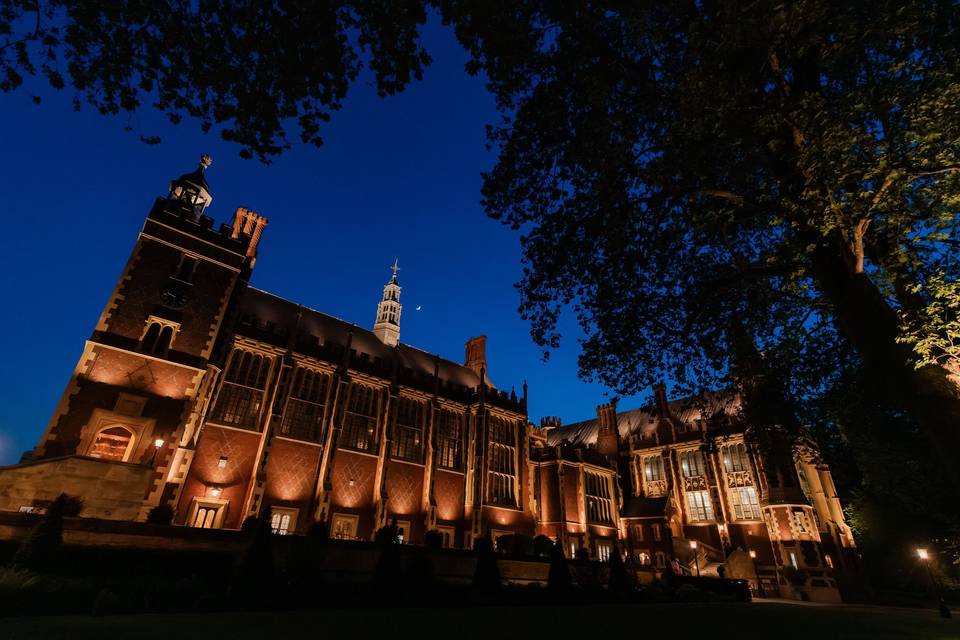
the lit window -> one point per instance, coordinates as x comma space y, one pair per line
450, 440
828, 560
112, 443
653, 468
573, 549
360, 419
403, 532
502, 462
793, 560
801, 521
303, 416
691, 462
746, 506
604, 551
735, 458
282, 521
699, 508
344, 526
241, 393
598, 497
643, 558
407, 441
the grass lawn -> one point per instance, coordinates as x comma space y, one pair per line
669, 621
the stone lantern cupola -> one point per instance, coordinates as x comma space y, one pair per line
192, 189
387, 326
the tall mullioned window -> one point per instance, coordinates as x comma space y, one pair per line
360, 419
735, 458
241, 393
653, 468
599, 498
407, 441
502, 464
699, 508
691, 462
303, 416
450, 440
745, 504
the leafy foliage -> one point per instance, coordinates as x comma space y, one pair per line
247, 68
41, 550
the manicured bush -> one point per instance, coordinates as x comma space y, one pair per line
319, 531
433, 539
618, 582
486, 576
388, 573
160, 514
249, 524
542, 546
559, 578
41, 549
253, 572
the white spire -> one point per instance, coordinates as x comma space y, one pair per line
387, 326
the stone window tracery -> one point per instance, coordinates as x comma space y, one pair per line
407, 441
450, 440
303, 416
598, 497
360, 419
241, 393
502, 462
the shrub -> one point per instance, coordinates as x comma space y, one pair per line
542, 546
486, 576
42, 547
253, 574
582, 555
433, 539
559, 577
249, 525
387, 573
160, 514
521, 545
318, 531
618, 583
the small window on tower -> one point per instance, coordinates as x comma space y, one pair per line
186, 269
158, 336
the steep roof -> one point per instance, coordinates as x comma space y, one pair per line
272, 319
643, 421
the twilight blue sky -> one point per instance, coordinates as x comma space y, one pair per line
397, 177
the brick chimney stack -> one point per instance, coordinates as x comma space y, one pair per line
476, 354
250, 224
608, 435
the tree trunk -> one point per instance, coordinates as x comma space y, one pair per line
930, 394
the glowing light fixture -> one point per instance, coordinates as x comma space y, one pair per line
158, 443
693, 544
922, 553
216, 491
753, 554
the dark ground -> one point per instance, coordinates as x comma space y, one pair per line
673, 621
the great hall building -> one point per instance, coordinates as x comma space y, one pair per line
198, 391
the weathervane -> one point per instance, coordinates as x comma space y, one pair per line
395, 268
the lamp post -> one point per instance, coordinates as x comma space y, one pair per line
696, 560
924, 557
157, 445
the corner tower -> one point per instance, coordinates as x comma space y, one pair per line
387, 326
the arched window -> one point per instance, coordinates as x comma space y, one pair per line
112, 443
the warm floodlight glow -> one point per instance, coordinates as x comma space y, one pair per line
753, 554
922, 553
693, 544
215, 492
